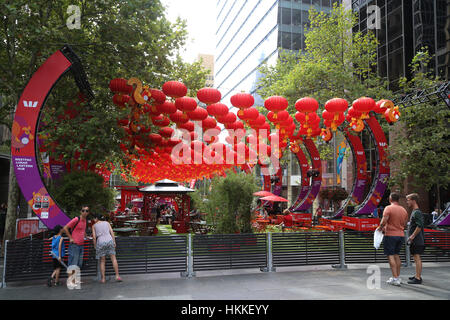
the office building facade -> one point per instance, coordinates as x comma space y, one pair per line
252, 32
405, 27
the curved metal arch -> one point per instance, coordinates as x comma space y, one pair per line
316, 182
382, 170
25, 130
359, 183
305, 185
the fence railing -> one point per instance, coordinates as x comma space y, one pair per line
29, 259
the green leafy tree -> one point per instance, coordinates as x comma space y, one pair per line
421, 140
83, 188
228, 204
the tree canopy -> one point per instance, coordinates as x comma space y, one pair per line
114, 39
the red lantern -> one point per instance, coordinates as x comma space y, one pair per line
120, 99
353, 113
186, 104
209, 95
230, 117
199, 114
300, 117
167, 107
217, 109
178, 117
364, 105
327, 115
242, 101
166, 132
276, 103
306, 105
160, 121
189, 126
249, 114
120, 85
209, 123
336, 105
155, 138
154, 95
174, 89
258, 122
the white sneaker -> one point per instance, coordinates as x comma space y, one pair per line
394, 281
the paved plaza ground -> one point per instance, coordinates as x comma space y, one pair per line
357, 282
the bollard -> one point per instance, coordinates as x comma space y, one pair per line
4, 264
341, 264
269, 267
190, 260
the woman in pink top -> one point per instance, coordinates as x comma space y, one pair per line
105, 244
393, 225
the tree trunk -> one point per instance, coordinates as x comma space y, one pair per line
13, 202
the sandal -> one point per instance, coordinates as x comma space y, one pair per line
119, 279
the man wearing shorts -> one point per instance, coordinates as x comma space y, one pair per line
75, 230
393, 224
416, 237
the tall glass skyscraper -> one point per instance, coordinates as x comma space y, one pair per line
405, 27
250, 32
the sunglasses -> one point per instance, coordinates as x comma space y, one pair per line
84, 210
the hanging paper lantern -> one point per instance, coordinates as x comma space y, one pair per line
364, 105
217, 109
120, 85
189, 126
155, 138
336, 105
306, 105
276, 104
174, 89
166, 107
178, 117
209, 123
327, 115
209, 95
121, 99
242, 101
166, 132
153, 96
160, 121
258, 122
199, 114
230, 117
353, 113
300, 117
186, 104
249, 114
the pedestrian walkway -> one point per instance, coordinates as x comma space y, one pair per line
293, 283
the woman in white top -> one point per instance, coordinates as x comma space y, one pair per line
105, 244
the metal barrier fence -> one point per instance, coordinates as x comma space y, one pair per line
29, 259
305, 248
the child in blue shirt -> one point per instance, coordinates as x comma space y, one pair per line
57, 252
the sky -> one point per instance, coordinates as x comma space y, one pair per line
201, 24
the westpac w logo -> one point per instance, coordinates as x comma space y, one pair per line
30, 104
